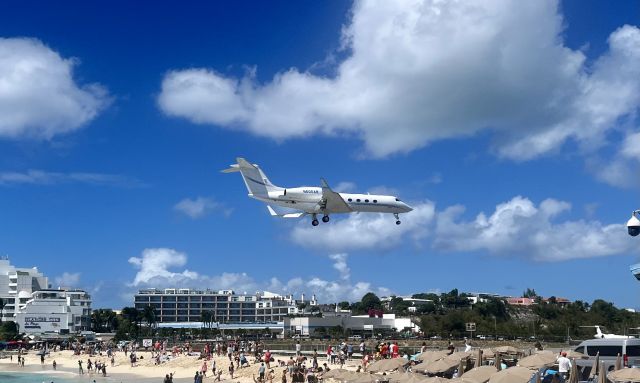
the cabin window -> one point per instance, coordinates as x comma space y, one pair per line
366, 200
375, 201
350, 200
358, 200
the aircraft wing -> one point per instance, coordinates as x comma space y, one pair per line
334, 202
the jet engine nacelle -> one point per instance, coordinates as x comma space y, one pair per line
278, 194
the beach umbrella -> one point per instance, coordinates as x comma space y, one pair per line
431, 356
344, 375
602, 374
408, 377
488, 353
460, 355
439, 366
625, 375
461, 367
618, 362
478, 359
507, 350
512, 375
538, 360
387, 364
463, 380
362, 378
573, 377
596, 364
576, 355
437, 379
480, 374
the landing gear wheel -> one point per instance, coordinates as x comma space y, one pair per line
398, 222
397, 218
325, 219
315, 222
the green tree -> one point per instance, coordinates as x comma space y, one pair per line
371, 301
8, 331
529, 293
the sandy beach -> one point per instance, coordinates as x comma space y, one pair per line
183, 367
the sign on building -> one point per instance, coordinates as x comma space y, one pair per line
471, 326
40, 323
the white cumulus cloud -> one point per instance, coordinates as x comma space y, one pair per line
516, 228
38, 95
161, 268
67, 280
199, 207
42, 177
154, 264
519, 228
421, 71
367, 231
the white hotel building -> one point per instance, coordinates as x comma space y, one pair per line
60, 311
35, 307
16, 286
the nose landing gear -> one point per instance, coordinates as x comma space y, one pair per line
397, 218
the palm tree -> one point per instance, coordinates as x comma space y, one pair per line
149, 315
206, 317
2, 304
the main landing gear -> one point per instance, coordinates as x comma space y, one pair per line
397, 218
315, 221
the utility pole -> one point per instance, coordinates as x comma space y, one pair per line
495, 328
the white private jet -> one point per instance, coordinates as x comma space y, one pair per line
600, 335
311, 200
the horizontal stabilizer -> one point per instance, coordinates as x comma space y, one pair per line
289, 215
232, 168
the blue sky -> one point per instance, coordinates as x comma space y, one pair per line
514, 134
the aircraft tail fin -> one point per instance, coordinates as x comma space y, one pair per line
254, 178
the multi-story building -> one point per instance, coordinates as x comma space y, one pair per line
55, 311
187, 305
16, 287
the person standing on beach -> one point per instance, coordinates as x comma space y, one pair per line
80, 369
267, 358
261, 371
298, 348
54, 365
231, 369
